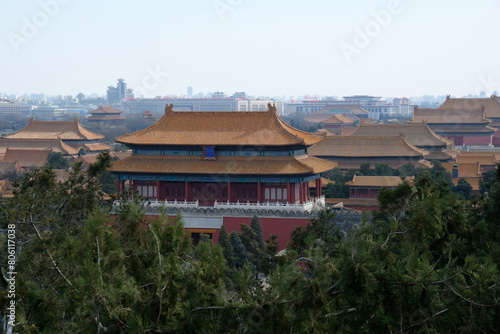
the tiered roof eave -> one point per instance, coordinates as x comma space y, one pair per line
279, 166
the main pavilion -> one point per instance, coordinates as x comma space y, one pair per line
218, 167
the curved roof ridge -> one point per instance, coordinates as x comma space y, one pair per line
282, 124
435, 135
311, 139
424, 152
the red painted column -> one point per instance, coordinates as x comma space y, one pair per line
318, 188
288, 193
259, 193
186, 190
229, 192
157, 190
118, 188
301, 193
306, 189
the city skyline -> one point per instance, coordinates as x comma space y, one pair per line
381, 48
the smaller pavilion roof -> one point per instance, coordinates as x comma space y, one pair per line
95, 147
66, 130
148, 115
377, 181
380, 146
27, 158
449, 116
491, 105
416, 134
56, 145
324, 183
490, 158
9, 166
338, 119
105, 110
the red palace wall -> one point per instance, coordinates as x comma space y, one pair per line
460, 140
496, 138
496, 141
282, 227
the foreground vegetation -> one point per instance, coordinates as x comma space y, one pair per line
427, 262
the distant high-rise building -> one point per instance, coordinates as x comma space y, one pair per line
122, 88
239, 95
116, 94
190, 91
218, 95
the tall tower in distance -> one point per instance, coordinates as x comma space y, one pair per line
116, 94
122, 89
190, 91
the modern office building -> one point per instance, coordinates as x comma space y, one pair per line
9, 108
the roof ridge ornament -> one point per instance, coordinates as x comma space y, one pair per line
401, 134
271, 108
169, 109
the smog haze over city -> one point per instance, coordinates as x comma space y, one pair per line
265, 48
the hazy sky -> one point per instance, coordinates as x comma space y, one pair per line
263, 47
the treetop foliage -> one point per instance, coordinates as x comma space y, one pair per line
427, 262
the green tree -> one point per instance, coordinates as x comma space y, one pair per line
464, 188
240, 252
484, 183
227, 247
320, 231
108, 181
365, 169
407, 170
249, 239
57, 161
257, 228
334, 191
383, 170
